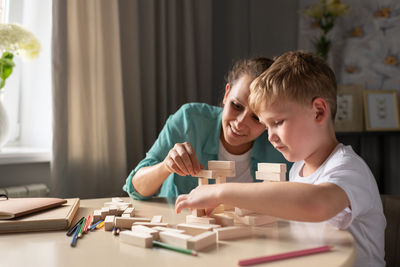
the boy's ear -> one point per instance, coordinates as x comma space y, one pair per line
227, 90
320, 108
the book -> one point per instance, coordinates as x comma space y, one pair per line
16, 207
58, 218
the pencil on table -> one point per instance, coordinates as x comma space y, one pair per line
81, 228
115, 230
286, 255
72, 230
93, 226
75, 237
181, 250
101, 224
87, 224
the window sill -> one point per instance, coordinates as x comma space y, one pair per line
18, 155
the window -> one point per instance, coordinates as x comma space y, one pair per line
27, 94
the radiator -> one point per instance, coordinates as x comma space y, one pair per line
30, 190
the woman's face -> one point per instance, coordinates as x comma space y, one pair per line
240, 126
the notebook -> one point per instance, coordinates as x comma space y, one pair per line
58, 218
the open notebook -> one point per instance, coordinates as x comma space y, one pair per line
58, 218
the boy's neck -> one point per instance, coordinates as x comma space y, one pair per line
316, 159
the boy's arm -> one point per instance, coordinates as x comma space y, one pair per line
286, 200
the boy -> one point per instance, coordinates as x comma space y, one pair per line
296, 100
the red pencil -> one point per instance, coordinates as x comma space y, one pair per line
87, 224
286, 255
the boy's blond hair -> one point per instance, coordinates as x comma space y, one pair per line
298, 76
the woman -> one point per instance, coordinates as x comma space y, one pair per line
198, 132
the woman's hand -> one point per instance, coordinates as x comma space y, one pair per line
181, 159
202, 197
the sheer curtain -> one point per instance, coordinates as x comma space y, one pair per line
89, 133
119, 69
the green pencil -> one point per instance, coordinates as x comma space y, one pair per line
81, 228
181, 250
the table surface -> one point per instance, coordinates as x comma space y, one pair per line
101, 248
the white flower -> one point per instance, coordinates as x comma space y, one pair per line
14, 38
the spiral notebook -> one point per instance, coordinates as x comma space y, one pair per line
37, 219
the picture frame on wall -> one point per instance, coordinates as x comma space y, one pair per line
349, 114
381, 110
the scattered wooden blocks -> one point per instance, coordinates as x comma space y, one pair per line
232, 232
202, 241
175, 239
109, 222
139, 239
243, 212
193, 219
221, 164
104, 212
130, 211
127, 222
156, 219
96, 216
223, 219
150, 224
194, 229
162, 229
144, 229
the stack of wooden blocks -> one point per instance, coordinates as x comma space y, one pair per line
268, 172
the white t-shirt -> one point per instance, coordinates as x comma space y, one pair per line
242, 165
364, 218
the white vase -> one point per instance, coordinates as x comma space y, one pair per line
4, 123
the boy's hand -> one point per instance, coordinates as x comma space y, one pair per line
181, 159
202, 197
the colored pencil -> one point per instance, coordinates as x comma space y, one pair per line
81, 228
282, 256
115, 230
93, 226
181, 250
72, 230
101, 224
75, 237
87, 224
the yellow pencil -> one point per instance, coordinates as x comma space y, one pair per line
100, 225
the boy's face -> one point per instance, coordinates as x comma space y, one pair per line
291, 128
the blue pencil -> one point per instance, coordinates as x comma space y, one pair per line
94, 225
75, 237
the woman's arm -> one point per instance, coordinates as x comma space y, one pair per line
286, 200
181, 159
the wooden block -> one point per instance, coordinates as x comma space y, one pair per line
243, 212
156, 219
136, 238
220, 180
223, 219
109, 222
150, 224
104, 212
130, 211
116, 199
202, 241
256, 220
175, 239
205, 174
126, 223
121, 210
113, 210
194, 229
161, 229
219, 209
117, 204
221, 164
225, 173
272, 167
271, 176
96, 216
203, 181
144, 229
228, 207
193, 219
199, 212
125, 215
232, 232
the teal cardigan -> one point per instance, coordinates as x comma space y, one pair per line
200, 125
